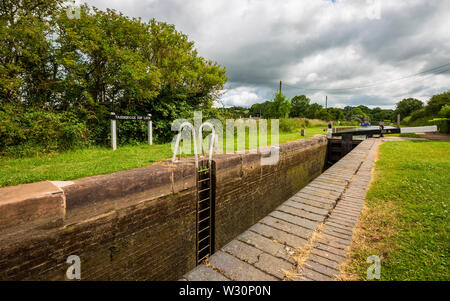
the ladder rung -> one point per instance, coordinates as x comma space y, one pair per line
203, 170
203, 210
207, 199
203, 229
203, 239
206, 218
200, 181
204, 257
203, 190
204, 248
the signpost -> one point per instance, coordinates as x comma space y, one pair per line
115, 117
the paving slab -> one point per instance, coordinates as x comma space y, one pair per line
282, 237
236, 269
204, 273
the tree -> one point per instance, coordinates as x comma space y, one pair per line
27, 72
444, 112
279, 107
300, 104
336, 114
323, 114
357, 115
436, 102
311, 110
377, 114
407, 106
101, 62
366, 110
260, 109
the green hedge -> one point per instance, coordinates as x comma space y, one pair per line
442, 123
29, 131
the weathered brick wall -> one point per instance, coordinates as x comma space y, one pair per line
140, 224
247, 191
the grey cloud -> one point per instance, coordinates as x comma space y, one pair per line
262, 42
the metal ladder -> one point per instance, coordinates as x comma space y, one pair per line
204, 222
205, 193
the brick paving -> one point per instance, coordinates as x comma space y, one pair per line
305, 238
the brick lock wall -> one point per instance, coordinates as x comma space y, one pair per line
247, 191
140, 224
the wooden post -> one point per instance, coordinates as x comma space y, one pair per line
398, 120
302, 132
113, 131
381, 128
150, 130
326, 102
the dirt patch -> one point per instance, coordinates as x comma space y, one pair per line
435, 136
301, 255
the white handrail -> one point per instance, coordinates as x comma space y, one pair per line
177, 143
211, 142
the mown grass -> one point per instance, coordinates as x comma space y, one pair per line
97, 160
408, 135
405, 220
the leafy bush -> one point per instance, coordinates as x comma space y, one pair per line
279, 107
436, 103
348, 123
445, 111
288, 125
418, 114
25, 132
407, 119
442, 123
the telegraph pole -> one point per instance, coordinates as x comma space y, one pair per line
326, 101
280, 86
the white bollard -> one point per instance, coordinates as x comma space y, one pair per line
150, 131
113, 132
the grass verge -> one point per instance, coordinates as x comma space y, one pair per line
97, 160
405, 219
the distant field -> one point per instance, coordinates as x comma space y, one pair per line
75, 164
405, 221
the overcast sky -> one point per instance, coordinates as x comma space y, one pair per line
316, 47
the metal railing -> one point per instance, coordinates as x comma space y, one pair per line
200, 140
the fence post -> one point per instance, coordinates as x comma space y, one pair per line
150, 130
113, 131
